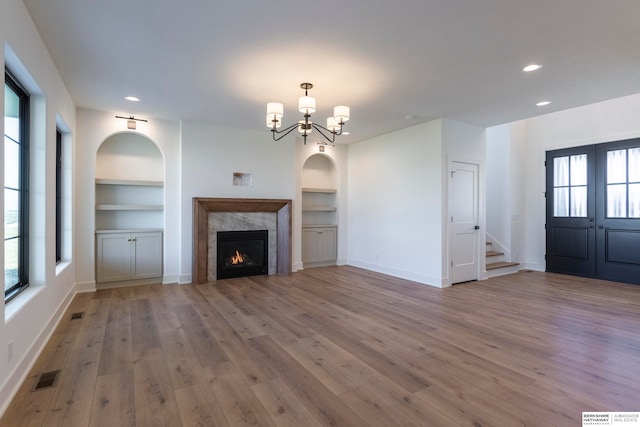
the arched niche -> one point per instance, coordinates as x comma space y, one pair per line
319, 171
129, 183
129, 156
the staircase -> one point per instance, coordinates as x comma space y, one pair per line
496, 265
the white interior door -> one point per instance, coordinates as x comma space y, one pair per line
463, 212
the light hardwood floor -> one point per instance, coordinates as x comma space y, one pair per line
341, 346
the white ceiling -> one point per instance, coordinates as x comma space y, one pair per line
396, 63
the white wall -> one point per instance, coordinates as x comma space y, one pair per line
29, 319
211, 154
529, 140
498, 186
395, 186
94, 127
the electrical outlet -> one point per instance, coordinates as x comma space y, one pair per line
10, 351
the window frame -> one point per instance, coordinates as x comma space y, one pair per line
59, 189
23, 230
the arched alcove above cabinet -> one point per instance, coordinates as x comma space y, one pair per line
129, 189
129, 183
319, 211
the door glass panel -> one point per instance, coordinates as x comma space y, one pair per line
616, 166
579, 201
634, 200
561, 171
579, 170
617, 201
561, 201
570, 186
634, 165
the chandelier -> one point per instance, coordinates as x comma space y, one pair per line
306, 105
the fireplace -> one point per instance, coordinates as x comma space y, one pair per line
242, 253
204, 236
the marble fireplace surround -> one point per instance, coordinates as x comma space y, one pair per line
202, 206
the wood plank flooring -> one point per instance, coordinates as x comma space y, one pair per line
340, 346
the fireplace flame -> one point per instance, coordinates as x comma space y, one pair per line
237, 258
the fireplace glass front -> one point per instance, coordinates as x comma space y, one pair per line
242, 253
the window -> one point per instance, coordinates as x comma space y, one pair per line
623, 183
58, 195
16, 187
570, 186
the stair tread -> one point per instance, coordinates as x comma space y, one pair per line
502, 264
494, 253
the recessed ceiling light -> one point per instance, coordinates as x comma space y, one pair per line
132, 98
531, 67
543, 103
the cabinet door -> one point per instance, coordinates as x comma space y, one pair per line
310, 245
328, 244
146, 261
113, 257
319, 245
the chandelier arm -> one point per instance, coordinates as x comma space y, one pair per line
336, 133
319, 129
284, 132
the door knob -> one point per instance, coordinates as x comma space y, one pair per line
477, 227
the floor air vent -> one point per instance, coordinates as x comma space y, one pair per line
77, 315
47, 380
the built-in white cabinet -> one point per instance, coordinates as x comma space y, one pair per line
319, 212
319, 245
128, 255
129, 209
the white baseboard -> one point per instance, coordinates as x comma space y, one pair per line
437, 282
168, 279
185, 279
85, 287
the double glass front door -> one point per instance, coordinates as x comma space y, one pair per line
593, 211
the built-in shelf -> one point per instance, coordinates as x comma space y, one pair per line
129, 230
319, 209
129, 203
129, 182
319, 226
103, 207
319, 190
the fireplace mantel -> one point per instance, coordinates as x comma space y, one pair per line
202, 206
